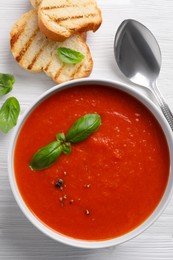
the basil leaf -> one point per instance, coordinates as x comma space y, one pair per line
6, 83
46, 156
83, 128
69, 56
66, 148
60, 137
9, 113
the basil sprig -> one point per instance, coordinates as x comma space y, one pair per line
9, 113
69, 56
79, 131
6, 83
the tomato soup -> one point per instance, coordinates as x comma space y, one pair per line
112, 181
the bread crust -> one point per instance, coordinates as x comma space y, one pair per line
35, 53
35, 3
59, 28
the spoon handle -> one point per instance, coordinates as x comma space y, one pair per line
163, 105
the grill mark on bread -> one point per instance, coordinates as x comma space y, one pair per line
54, 20
76, 71
57, 7
26, 47
47, 67
75, 17
20, 29
30, 66
59, 72
45, 8
16, 36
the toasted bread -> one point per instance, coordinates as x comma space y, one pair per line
35, 3
34, 52
60, 19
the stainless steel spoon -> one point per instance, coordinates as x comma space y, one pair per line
139, 58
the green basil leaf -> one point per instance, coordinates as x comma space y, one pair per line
46, 156
66, 148
83, 128
6, 83
69, 56
60, 137
9, 113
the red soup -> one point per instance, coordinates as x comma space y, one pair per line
113, 180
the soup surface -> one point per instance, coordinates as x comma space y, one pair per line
112, 181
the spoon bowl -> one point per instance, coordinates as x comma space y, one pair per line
138, 56
137, 53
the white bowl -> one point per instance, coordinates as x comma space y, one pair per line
106, 243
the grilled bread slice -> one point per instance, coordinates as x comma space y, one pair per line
34, 52
60, 19
35, 3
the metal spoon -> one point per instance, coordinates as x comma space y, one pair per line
139, 58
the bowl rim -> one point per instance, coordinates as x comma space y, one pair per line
127, 88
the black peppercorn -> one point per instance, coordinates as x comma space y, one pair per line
59, 183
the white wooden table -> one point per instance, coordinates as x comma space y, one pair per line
19, 240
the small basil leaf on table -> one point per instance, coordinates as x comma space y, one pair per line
46, 156
6, 83
69, 56
9, 113
83, 128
